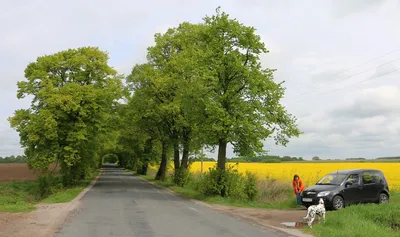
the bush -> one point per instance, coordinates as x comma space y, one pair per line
44, 186
181, 176
250, 186
228, 183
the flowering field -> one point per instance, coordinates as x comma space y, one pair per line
310, 173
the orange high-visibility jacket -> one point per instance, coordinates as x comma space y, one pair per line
298, 186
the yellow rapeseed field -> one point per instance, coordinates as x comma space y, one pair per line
310, 173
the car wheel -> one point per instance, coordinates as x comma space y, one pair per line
383, 198
338, 203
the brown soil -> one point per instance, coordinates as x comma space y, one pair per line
267, 218
41, 222
264, 217
17, 172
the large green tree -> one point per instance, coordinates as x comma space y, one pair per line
176, 55
244, 106
154, 112
73, 93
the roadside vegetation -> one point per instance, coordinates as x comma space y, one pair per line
22, 196
203, 86
245, 190
362, 220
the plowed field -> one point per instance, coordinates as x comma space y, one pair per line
16, 172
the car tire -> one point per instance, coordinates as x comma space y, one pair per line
383, 198
337, 203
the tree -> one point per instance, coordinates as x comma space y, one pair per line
175, 55
74, 92
171, 85
316, 158
243, 107
155, 114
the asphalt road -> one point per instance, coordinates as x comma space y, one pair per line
120, 204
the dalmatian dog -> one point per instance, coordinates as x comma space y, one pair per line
316, 210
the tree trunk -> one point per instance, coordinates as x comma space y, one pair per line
146, 157
162, 171
176, 154
221, 154
185, 153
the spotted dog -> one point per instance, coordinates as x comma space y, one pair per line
316, 210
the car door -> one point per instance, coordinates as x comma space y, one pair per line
351, 193
370, 187
379, 184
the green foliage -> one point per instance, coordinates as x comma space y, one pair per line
74, 93
250, 186
22, 196
280, 195
13, 159
110, 158
17, 196
44, 186
228, 183
181, 176
243, 107
203, 84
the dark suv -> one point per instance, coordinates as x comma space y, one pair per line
346, 187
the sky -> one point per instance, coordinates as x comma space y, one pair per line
339, 59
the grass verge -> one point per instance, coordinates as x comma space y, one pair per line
68, 194
189, 191
361, 220
366, 220
22, 196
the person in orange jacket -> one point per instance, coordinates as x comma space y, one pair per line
298, 187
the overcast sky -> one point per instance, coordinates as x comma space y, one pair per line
339, 59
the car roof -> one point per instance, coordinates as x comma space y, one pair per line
353, 171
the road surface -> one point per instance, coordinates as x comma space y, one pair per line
120, 204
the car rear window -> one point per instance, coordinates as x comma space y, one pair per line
372, 177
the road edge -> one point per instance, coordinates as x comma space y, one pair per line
293, 232
57, 222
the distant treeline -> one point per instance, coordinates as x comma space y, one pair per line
389, 158
255, 159
265, 159
277, 159
13, 159
356, 158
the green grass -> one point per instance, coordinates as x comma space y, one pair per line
190, 192
361, 220
68, 194
17, 196
22, 196
394, 198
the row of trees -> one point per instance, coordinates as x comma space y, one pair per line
13, 159
203, 85
265, 159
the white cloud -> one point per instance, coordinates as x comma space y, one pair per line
312, 44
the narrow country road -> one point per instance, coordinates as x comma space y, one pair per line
120, 204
